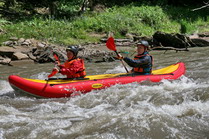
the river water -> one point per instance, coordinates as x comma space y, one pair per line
176, 109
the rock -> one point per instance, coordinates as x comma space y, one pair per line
19, 56
40, 48
41, 45
7, 51
13, 39
20, 41
193, 36
205, 34
34, 42
175, 40
36, 52
8, 43
23, 49
28, 40
95, 55
31, 56
1, 58
130, 36
200, 42
25, 43
139, 38
5, 61
45, 56
21, 62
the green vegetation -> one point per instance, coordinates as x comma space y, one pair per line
143, 20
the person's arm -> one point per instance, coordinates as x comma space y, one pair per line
138, 62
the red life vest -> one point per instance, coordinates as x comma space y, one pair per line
143, 69
80, 67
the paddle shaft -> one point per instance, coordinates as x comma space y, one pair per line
121, 61
56, 62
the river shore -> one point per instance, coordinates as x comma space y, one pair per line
19, 49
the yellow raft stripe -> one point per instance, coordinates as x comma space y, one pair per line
165, 70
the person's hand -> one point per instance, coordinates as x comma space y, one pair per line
131, 71
56, 69
57, 63
120, 57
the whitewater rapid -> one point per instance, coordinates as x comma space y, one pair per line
168, 109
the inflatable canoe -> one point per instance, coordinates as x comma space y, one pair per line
56, 88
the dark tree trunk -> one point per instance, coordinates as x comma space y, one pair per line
53, 8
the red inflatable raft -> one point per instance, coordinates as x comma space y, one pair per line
56, 88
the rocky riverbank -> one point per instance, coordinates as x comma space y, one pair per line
42, 52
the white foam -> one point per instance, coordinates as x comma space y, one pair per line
134, 94
5, 87
187, 108
117, 69
41, 76
1, 133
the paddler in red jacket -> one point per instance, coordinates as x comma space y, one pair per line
74, 66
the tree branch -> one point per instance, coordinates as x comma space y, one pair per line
206, 5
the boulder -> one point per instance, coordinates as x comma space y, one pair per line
19, 56
41, 45
205, 34
95, 55
23, 49
200, 42
9, 43
46, 55
5, 61
6, 51
20, 41
25, 43
31, 56
175, 40
13, 39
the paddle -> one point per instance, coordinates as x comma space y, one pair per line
56, 58
111, 45
54, 71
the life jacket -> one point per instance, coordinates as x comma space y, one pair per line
81, 73
147, 68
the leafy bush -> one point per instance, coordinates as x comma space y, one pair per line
142, 20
